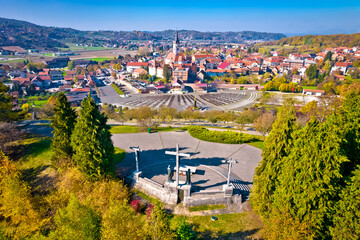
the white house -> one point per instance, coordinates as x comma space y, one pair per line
313, 92
131, 66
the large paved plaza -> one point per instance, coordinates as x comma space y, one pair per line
212, 101
205, 156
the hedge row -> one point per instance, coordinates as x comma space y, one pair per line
230, 137
117, 89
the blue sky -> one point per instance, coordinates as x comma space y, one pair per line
306, 16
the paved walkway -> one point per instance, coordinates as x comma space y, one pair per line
206, 156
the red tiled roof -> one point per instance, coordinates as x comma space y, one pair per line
80, 90
342, 64
137, 64
223, 65
314, 90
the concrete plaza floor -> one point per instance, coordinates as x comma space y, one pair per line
206, 156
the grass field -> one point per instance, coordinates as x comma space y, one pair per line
136, 129
228, 226
259, 144
118, 155
47, 54
38, 101
206, 207
73, 47
37, 153
12, 61
99, 59
309, 87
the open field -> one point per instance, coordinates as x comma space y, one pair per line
12, 61
96, 55
136, 129
99, 59
101, 54
228, 226
73, 47
309, 87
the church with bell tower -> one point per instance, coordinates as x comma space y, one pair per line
176, 43
175, 56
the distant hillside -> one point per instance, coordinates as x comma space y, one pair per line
336, 40
233, 37
28, 35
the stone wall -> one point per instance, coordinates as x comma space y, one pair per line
168, 193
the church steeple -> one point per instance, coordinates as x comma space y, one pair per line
176, 42
176, 37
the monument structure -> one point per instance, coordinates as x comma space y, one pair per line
175, 191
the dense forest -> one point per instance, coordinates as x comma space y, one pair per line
28, 35
323, 41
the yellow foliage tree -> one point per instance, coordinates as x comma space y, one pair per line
121, 222
16, 208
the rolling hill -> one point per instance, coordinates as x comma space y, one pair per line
28, 35
323, 41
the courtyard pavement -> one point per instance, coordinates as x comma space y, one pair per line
206, 156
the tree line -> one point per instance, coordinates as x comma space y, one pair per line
307, 184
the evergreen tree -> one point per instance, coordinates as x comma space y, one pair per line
311, 72
6, 113
91, 141
184, 231
276, 147
63, 123
346, 223
311, 177
328, 56
166, 73
348, 118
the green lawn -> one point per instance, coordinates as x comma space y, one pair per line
117, 129
36, 153
47, 54
99, 59
118, 155
259, 144
73, 47
124, 129
37, 100
228, 226
39, 103
206, 207
309, 87
12, 61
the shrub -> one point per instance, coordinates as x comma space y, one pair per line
230, 137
